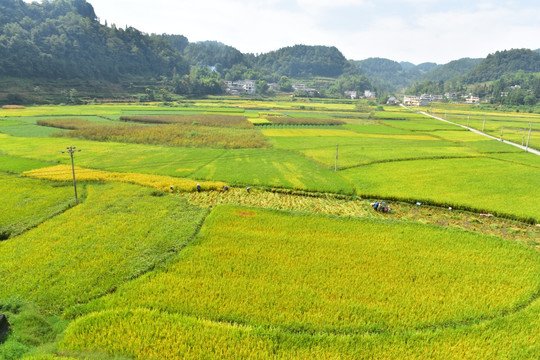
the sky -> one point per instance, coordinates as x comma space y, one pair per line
405, 30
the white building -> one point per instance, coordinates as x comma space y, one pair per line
472, 99
352, 94
241, 87
368, 94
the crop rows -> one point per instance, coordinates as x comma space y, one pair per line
69, 124
118, 233
163, 183
313, 273
29, 203
173, 135
478, 184
303, 121
336, 206
128, 333
213, 120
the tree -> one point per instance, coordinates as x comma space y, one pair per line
262, 87
285, 84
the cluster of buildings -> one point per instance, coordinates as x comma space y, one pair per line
368, 94
425, 99
241, 87
248, 87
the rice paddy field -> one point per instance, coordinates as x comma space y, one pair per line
511, 126
192, 241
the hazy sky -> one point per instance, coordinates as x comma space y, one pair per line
405, 30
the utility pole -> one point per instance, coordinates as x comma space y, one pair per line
71, 150
337, 152
502, 132
529, 138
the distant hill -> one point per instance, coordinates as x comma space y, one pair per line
391, 75
64, 40
405, 65
214, 54
504, 62
426, 67
303, 60
179, 42
452, 70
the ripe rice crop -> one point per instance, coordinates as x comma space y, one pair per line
315, 273
69, 124
337, 206
129, 333
213, 120
118, 233
163, 183
30, 202
478, 184
303, 121
174, 135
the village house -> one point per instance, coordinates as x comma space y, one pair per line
352, 94
472, 99
392, 100
240, 87
451, 96
368, 94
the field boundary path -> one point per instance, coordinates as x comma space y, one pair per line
532, 151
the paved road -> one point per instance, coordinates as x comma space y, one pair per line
532, 151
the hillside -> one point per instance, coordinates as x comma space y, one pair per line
303, 60
214, 54
64, 40
393, 76
504, 62
452, 69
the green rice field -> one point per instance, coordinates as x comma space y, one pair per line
278, 253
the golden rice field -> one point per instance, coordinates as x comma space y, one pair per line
163, 183
27, 203
339, 275
361, 208
300, 267
175, 336
119, 232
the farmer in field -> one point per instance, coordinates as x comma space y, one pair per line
248, 189
198, 188
225, 188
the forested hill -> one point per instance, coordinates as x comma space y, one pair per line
452, 70
214, 54
63, 39
392, 75
302, 61
504, 62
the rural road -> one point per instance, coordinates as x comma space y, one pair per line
532, 151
